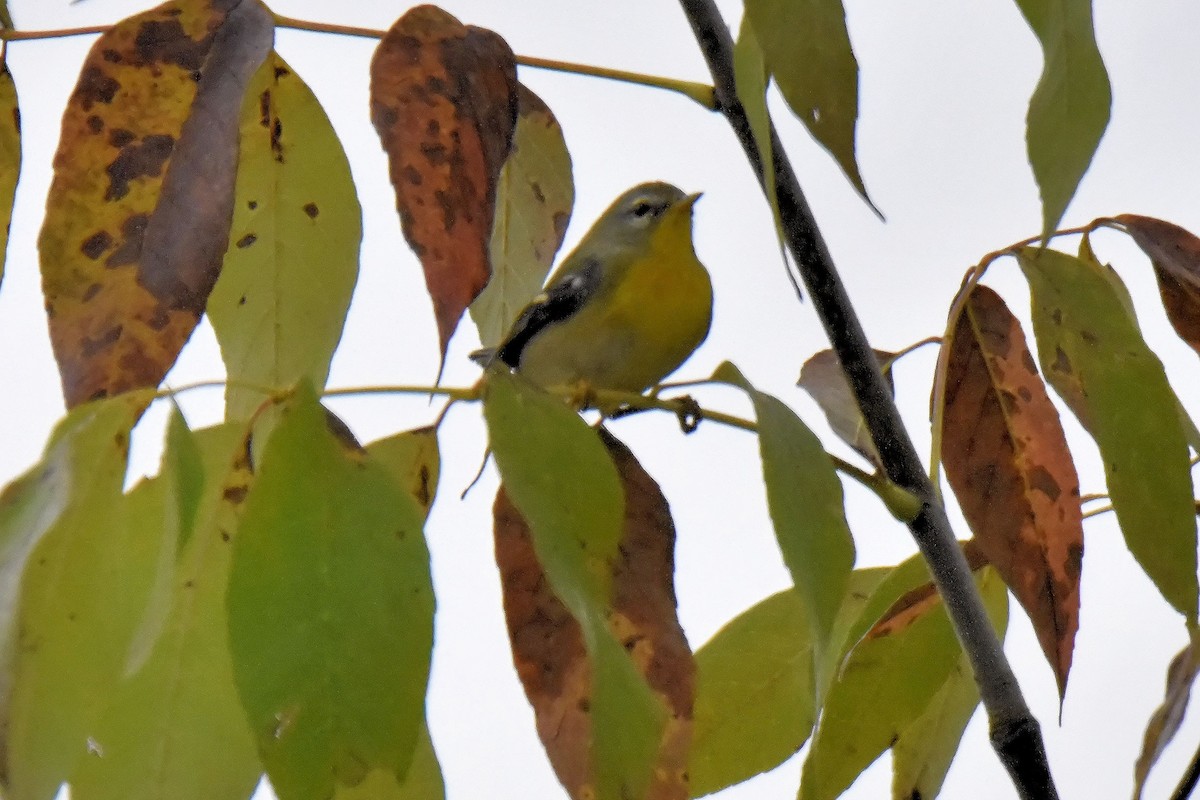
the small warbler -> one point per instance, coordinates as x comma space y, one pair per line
625, 308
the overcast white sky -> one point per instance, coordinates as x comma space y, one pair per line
944, 91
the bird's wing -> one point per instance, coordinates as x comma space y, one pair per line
560, 300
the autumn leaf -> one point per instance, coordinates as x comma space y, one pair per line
137, 220
534, 196
822, 377
1093, 354
1175, 256
1167, 718
1070, 107
444, 102
561, 478
413, 459
548, 644
280, 304
1007, 458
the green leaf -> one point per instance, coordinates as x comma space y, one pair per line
534, 196
281, 301
804, 497
423, 781
175, 727
923, 753
413, 460
330, 610
1092, 353
183, 465
1070, 107
886, 682
74, 579
561, 479
750, 77
807, 49
755, 687
10, 147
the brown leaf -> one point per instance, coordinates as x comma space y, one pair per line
548, 647
1175, 254
1007, 459
1165, 721
822, 377
914, 604
444, 101
137, 220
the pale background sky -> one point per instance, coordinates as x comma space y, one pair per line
944, 88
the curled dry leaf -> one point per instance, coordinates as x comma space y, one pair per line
444, 102
548, 645
1165, 721
137, 220
1006, 457
822, 377
1175, 255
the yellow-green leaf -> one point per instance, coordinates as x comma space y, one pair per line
280, 304
10, 148
423, 781
1070, 107
330, 610
137, 219
175, 727
756, 689
76, 558
804, 497
560, 477
413, 459
1092, 353
750, 77
923, 753
888, 679
534, 197
807, 49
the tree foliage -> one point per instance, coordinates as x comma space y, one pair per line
264, 603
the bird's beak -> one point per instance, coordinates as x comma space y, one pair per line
691, 199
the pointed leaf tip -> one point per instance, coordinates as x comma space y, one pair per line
444, 102
1007, 459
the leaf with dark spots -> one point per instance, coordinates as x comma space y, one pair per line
533, 204
548, 644
1175, 254
1007, 458
444, 101
142, 195
1093, 353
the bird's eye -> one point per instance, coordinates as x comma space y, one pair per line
642, 209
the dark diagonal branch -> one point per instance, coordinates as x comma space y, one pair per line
1015, 733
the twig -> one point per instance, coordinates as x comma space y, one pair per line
1015, 733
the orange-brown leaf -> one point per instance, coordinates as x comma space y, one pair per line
1007, 459
914, 604
137, 221
444, 101
548, 646
1175, 254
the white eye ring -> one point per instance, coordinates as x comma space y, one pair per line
642, 209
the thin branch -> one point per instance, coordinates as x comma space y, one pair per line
1015, 733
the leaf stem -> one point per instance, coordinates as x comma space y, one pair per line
9, 35
702, 93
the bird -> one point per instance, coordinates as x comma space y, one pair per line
625, 308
